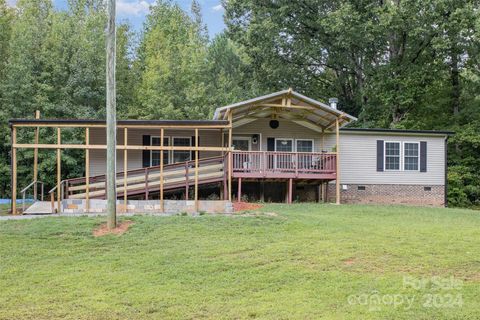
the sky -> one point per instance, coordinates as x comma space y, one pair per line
134, 11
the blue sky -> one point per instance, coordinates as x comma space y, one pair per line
134, 11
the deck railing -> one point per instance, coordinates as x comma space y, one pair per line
272, 163
145, 180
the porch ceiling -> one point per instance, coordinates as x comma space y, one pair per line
285, 104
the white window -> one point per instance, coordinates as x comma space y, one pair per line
284, 145
241, 143
178, 155
155, 154
411, 156
304, 145
392, 155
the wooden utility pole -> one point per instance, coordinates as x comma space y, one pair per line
337, 159
35, 158
111, 119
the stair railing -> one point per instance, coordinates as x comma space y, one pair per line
24, 192
52, 195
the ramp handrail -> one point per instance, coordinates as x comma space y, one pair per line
35, 195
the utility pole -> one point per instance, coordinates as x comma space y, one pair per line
111, 119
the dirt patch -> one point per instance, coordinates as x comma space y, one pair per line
349, 262
121, 228
244, 206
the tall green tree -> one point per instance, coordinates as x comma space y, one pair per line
170, 68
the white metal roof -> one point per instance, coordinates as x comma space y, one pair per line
285, 104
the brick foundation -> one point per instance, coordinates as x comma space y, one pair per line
390, 194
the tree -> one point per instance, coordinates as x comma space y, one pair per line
170, 66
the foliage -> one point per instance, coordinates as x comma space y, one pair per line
410, 64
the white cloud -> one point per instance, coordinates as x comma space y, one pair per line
133, 8
217, 8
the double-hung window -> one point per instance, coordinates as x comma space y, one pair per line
304, 145
411, 156
392, 155
180, 155
155, 154
304, 160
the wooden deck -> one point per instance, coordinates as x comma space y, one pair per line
284, 165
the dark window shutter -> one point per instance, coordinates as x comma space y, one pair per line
192, 143
146, 153
380, 153
270, 144
423, 156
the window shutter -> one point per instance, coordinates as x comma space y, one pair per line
192, 144
380, 153
423, 156
146, 153
270, 144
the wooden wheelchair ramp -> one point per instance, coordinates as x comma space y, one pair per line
146, 180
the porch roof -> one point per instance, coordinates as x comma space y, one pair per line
285, 104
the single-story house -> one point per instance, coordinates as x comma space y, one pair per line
282, 146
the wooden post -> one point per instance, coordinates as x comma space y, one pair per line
14, 171
196, 170
322, 142
187, 185
262, 194
87, 170
35, 158
239, 191
230, 156
111, 118
290, 190
146, 184
337, 179
162, 206
59, 169
225, 184
125, 168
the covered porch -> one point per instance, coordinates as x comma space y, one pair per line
285, 137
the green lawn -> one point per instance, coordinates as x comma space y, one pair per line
309, 262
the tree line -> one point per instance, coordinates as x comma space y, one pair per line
410, 64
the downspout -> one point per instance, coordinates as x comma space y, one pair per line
446, 173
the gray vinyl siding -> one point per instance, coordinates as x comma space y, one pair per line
208, 138
287, 129
357, 151
358, 160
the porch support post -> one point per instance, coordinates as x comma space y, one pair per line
125, 168
187, 186
87, 170
290, 190
35, 158
162, 205
14, 171
59, 168
337, 179
239, 191
196, 170
230, 156
262, 194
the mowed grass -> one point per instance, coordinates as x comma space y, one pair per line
305, 263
